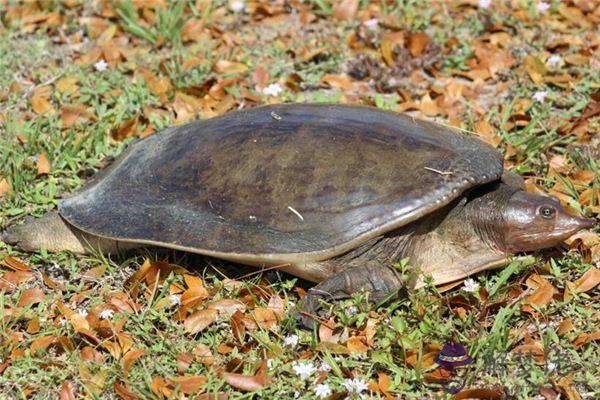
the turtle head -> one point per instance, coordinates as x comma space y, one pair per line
532, 222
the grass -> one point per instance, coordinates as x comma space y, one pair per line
400, 337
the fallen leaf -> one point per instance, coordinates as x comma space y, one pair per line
41, 343
41, 105
124, 392
542, 296
203, 354
191, 384
31, 296
129, 359
565, 326
200, 320
43, 164
354, 343
245, 383
345, 9
126, 129
67, 391
230, 67
483, 394
589, 280
416, 43
4, 187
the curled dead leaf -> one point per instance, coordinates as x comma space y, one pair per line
589, 280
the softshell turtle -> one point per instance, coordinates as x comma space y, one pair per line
334, 194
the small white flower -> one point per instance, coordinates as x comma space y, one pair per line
325, 367
355, 385
485, 3
539, 96
303, 369
62, 322
470, 285
83, 312
351, 310
322, 391
551, 366
101, 66
554, 60
274, 89
371, 23
296, 394
291, 340
107, 313
237, 6
175, 299
270, 363
542, 6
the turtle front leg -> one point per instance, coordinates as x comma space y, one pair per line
377, 279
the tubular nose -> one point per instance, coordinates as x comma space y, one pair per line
586, 223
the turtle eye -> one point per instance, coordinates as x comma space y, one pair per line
546, 212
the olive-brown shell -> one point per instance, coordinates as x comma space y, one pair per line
282, 183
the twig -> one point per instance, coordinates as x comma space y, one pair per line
437, 171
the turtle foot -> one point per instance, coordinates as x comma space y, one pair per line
378, 280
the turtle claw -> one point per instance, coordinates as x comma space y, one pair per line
378, 280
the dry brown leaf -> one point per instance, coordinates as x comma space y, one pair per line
488, 133
67, 85
428, 106
388, 42
159, 387
565, 326
200, 320
190, 384
416, 43
589, 280
534, 349
129, 359
354, 343
230, 67
31, 296
245, 383
345, 10
585, 338
203, 354
472, 394
237, 325
383, 384
577, 59
4, 187
95, 273
265, 317
74, 115
67, 391
535, 68
126, 129
338, 81
43, 164
41, 343
124, 392
260, 76
41, 105
542, 296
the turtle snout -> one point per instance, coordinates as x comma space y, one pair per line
586, 223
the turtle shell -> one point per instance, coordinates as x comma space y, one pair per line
282, 183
